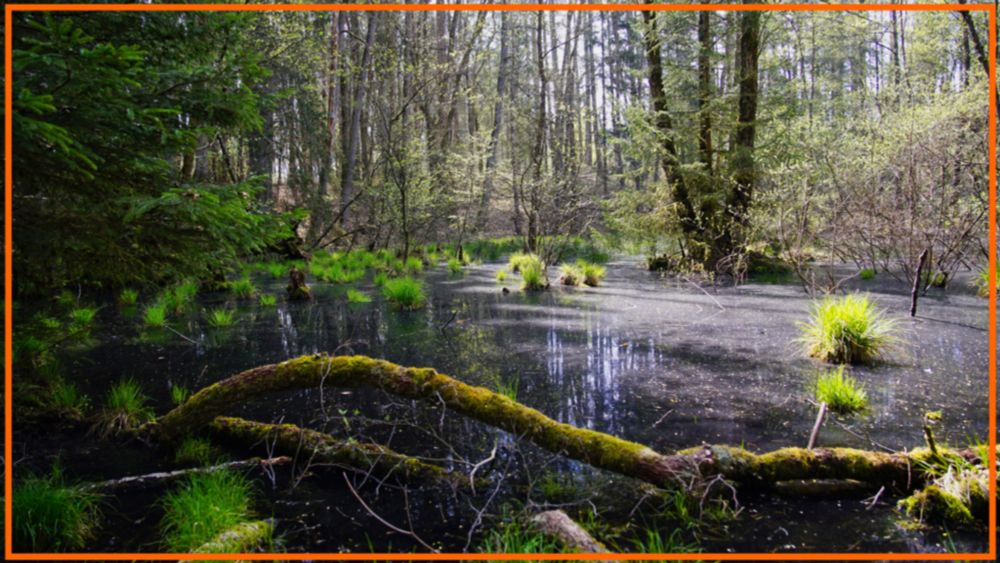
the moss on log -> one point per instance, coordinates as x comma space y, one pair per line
290, 439
241, 538
901, 470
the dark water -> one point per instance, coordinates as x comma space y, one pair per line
657, 361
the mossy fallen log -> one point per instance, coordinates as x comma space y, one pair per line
289, 439
558, 525
242, 538
901, 470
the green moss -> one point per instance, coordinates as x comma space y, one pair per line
935, 506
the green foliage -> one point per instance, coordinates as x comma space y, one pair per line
652, 540
355, 296
841, 392
982, 281
414, 265
509, 387
867, 273
532, 270
242, 288
519, 259
124, 409
49, 515
198, 451
501, 275
513, 535
405, 293
179, 394
570, 275
848, 330
65, 401
220, 317
491, 250
128, 296
276, 269
380, 278
80, 318
454, 266
267, 300
203, 507
155, 315
593, 274
98, 147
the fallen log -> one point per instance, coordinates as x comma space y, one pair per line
901, 470
324, 448
241, 538
163, 477
558, 525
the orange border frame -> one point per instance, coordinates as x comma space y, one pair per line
8, 292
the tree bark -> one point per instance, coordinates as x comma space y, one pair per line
353, 138
491, 161
705, 89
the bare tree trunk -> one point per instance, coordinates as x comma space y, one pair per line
491, 161
353, 139
705, 88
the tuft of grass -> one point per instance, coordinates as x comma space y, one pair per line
49, 515
848, 330
501, 275
982, 281
198, 451
454, 266
355, 296
128, 297
220, 317
653, 541
155, 315
509, 387
267, 300
185, 292
867, 274
179, 394
66, 401
593, 274
124, 409
276, 269
533, 276
516, 537
405, 293
570, 275
242, 288
414, 265
380, 278
80, 318
841, 392
203, 507
519, 259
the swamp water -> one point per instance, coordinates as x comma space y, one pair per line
658, 361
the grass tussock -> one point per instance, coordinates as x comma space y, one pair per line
220, 318
203, 507
242, 288
196, 451
404, 293
842, 393
267, 300
532, 271
982, 281
570, 274
867, 274
848, 330
455, 266
124, 409
65, 401
128, 297
593, 274
501, 275
49, 515
155, 315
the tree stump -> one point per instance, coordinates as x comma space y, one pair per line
297, 288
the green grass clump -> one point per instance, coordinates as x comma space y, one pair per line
203, 507
276, 269
49, 515
128, 297
66, 401
405, 293
155, 315
179, 394
570, 275
867, 273
242, 288
517, 537
185, 292
80, 318
841, 392
519, 259
533, 276
124, 409
593, 274
355, 296
454, 266
414, 265
501, 275
509, 387
380, 278
198, 451
848, 330
220, 317
982, 281
267, 300
653, 541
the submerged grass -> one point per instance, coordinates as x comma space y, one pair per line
848, 330
203, 507
49, 515
405, 293
841, 392
124, 409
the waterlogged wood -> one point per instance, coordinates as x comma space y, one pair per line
163, 477
901, 470
557, 524
241, 538
324, 448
